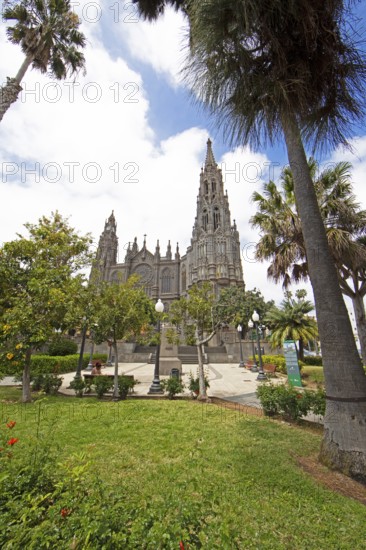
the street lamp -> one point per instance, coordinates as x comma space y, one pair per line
254, 368
261, 375
90, 364
155, 387
239, 328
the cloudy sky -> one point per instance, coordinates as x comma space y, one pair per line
127, 137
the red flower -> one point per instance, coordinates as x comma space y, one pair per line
65, 512
181, 545
299, 396
11, 424
13, 440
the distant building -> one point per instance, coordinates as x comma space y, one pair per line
213, 255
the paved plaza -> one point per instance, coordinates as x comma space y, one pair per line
227, 381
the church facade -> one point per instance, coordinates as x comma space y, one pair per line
213, 255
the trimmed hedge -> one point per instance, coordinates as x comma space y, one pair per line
313, 361
47, 364
43, 364
62, 346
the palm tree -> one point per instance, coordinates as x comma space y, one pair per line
272, 68
282, 241
47, 31
291, 321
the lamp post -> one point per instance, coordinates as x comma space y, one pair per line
254, 368
90, 364
261, 375
239, 328
155, 387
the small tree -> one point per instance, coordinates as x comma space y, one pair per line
123, 310
236, 306
39, 283
197, 312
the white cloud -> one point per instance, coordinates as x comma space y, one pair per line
160, 44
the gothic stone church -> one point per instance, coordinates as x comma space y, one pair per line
213, 255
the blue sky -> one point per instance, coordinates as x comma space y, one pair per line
127, 136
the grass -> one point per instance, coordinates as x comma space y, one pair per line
313, 376
215, 477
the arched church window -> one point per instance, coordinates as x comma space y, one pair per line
206, 187
205, 219
216, 218
213, 186
166, 281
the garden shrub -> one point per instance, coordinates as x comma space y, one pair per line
49, 383
102, 384
78, 385
125, 384
62, 347
173, 386
289, 401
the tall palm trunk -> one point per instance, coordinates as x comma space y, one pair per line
344, 441
10, 92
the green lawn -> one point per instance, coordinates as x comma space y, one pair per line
313, 375
148, 474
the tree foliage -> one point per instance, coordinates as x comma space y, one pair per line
236, 306
281, 239
48, 34
291, 321
122, 310
39, 279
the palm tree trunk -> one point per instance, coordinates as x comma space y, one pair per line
301, 349
27, 397
10, 92
344, 441
359, 309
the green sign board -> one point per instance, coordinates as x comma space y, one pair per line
292, 365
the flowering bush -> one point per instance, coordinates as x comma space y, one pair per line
6, 441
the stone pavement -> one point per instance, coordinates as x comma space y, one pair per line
227, 381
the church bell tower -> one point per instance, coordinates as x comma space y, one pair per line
214, 254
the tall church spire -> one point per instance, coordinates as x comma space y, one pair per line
215, 243
108, 246
210, 159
